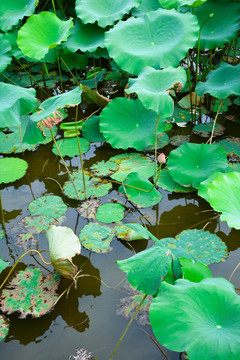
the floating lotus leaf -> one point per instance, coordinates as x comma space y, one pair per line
180, 115
104, 168
187, 315
30, 293
162, 140
224, 196
90, 130
178, 140
5, 57
175, 4
190, 164
41, 33
3, 265
158, 39
198, 245
221, 82
193, 271
151, 87
63, 246
11, 12
96, 237
140, 198
15, 102
127, 123
82, 354
36, 224
166, 182
205, 130
145, 6
105, 12
232, 147
50, 206
218, 29
94, 186
88, 209
4, 327
12, 169
85, 37
109, 213
70, 148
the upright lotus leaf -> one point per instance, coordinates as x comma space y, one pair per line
14, 103
146, 269
109, 213
30, 293
3, 265
13, 11
218, 29
175, 4
186, 316
198, 245
49, 206
12, 169
85, 37
131, 188
151, 87
42, 32
190, 164
4, 327
166, 182
70, 148
222, 82
194, 271
145, 6
90, 130
63, 246
158, 39
224, 196
5, 57
104, 12
126, 233
205, 130
141, 230
96, 237
127, 123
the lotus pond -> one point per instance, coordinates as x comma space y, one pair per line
119, 179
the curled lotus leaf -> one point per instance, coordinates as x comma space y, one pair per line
194, 271
96, 237
12, 169
103, 12
109, 213
232, 147
69, 146
11, 12
127, 233
30, 293
50, 206
4, 327
166, 182
205, 130
5, 57
158, 39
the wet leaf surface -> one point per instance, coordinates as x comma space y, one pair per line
4, 327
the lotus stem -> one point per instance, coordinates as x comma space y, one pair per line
189, 84
2, 214
235, 50
80, 154
54, 8
235, 269
20, 134
128, 325
155, 146
94, 65
70, 72
214, 123
9, 79
59, 69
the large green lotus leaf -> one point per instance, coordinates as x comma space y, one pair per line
41, 33
151, 87
30, 293
194, 271
12, 11
140, 198
205, 130
199, 318
109, 213
104, 12
49, 206
190, 164
146, 269
222, 82
162, 140
224, 196
158, 39
12, 169
104, 168
85, 37
127, 123
166, 182
96, 237
232, 147
3, 265
63, 246
4, 327
198, 245
70, 148
218, 29
145, 6
175, 4
5, 57
90, 130
14, 103
94, 186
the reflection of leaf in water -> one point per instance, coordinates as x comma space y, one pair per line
81, 354
23, 240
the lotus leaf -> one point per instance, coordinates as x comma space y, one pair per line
109, 213
50, 206
11, 12
96, 237
82, 354
5, 58
232, 147
3, 265
180, 115
63, 246
105, 12
175, 4
145, 6
140, 198
187, 315
205, 130
224, 196
94, 186
126, 233
193, 271
104, 168
4, 327
90, 130
35, 41
178, 140
126, 123
12, 169
14, 103
70, 148
166, 182
221, 82
72, 61
190, 164
151, 87
36, 224
218, 29
88, 209
162, 140
30, 293
158, 39
140, 230
224, 106
2, 232
198, 245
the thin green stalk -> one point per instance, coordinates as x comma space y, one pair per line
128, 325
20, 134
59, 69
189, 84
80, 154
214, 123
155, 146
9, 79
64, 163
94, 65
2, 214
54, 8
235, 50
70, 72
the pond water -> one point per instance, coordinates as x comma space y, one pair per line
87, 318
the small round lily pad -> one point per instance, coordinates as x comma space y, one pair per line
50, 206
109, 213
12, 169
96, 237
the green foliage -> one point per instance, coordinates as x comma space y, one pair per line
12, 169
166, 182
69, 146
96, 237
49, 206
11, 12
5, 57
109, 213
4, 326
90, 130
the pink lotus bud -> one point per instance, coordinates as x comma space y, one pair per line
161, 158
